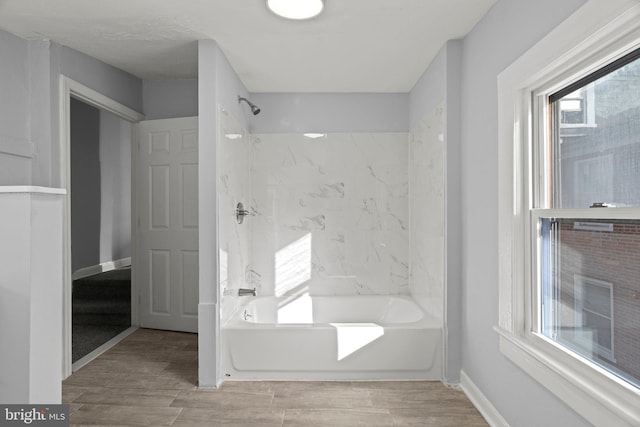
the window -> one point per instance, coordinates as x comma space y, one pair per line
569, 117
589, 269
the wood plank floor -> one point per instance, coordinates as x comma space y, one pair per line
150, 378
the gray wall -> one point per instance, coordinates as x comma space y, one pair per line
91, 72
29, 105
100, 186
109, 81
25, 132
85, 184
505, 33
170, 98
115, 187
114, 228
330, 112
113, 232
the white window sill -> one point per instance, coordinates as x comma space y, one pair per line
590, 391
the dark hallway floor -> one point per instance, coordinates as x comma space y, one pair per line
101, 309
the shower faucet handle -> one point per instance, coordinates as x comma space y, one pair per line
241, 212
246, 292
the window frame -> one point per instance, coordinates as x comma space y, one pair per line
596, 34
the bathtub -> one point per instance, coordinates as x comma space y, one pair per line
331, 338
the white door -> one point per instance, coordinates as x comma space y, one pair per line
166, 261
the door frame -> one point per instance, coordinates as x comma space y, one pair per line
72, 89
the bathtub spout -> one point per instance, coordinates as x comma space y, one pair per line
245, 292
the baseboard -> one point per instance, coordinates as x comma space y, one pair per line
480, 401
100, 268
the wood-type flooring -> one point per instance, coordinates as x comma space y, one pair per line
150, 379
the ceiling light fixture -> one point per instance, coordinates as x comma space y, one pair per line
296, 9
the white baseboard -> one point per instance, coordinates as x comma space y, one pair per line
100, 268
480, 401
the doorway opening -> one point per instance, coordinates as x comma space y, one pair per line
100, 146
98, 236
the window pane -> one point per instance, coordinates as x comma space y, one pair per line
597, 299
596, 142
600, 328
590, 290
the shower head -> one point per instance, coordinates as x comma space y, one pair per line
254, 108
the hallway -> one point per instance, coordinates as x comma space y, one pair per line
101, 309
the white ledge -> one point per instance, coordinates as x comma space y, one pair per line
32, 189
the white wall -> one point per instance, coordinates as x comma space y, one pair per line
507, 31
30, 283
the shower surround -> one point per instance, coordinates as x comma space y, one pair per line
340, 216
331, 213
427, 211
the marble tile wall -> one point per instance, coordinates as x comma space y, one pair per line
235, 186
332, 213
347, 213
427, 211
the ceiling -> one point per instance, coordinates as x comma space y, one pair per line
353, 46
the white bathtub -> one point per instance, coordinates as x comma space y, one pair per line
331, 338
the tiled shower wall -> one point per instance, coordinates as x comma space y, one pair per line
331, 213
427, 211
343, 214
235, 186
